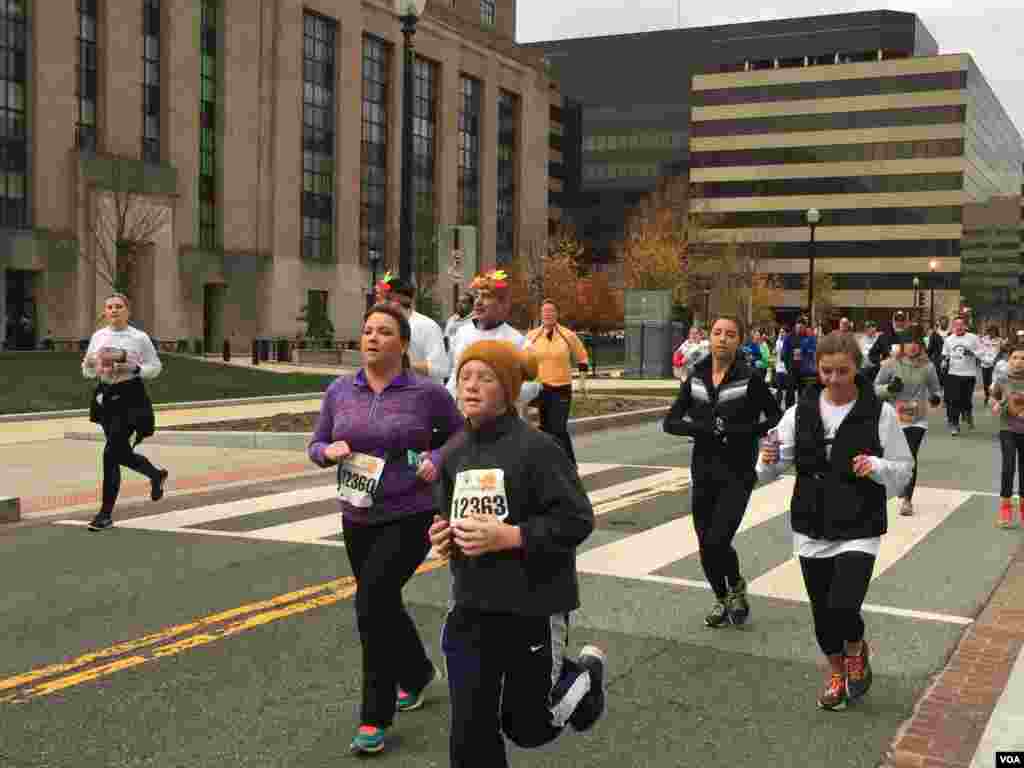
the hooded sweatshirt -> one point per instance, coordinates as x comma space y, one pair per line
920, 383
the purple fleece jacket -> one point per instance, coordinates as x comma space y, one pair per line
401, 418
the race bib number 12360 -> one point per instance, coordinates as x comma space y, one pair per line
358, 479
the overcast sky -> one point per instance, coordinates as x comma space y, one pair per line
992, 31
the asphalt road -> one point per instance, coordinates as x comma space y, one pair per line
218, 630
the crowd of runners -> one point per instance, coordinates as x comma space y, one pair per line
432, 451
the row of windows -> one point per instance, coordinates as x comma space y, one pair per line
874, 281
853, 249
151, 81
609, 171
208, 227
318, 138
871, 86
835, 153
469, 151
877, 118
642, 140
508, 109
85, 118
834, 218
914, 182
373, 191
845, 57
13, 144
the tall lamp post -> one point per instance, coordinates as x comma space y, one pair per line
917, 303
707, 310
409, 12
374, 258
813, 217
932, 266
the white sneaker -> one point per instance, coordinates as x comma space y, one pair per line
906, 508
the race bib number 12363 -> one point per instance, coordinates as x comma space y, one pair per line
479, 491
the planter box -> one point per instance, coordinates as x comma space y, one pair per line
347, 357
10, 509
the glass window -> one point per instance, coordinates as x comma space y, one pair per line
14, 211
209, 229
85, 125
373, 191
508, 119
918, 182
487, 12
834, 218
318, 137
469, 151
151, 81
424, 132
896, 150
882, 118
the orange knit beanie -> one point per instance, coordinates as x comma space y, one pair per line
510, 364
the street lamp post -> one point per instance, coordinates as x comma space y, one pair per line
813, 217
932, 265
917, 303
374, 257
707, 310
409, 12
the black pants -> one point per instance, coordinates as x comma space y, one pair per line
915, 436
508, 676
986, 380
836, 587
959, 398
384, 558
553, 404
117, 453
870, 372
719, 502
783, 389
1012, 444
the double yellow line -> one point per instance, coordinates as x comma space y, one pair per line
176, 639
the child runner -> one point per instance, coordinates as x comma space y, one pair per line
911, 383
1008, 404
517, 512
850, 452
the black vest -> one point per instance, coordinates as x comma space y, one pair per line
731, 404
830, 502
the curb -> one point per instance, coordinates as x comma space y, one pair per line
298, 441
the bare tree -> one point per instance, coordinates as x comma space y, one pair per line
125, 223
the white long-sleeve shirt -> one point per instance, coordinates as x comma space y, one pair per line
892, 469
469, 334
138, 348
427, 346
963, 352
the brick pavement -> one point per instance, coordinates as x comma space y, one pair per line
950, 718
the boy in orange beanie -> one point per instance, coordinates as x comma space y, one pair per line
517, 513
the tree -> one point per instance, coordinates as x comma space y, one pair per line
123, 227
600, 307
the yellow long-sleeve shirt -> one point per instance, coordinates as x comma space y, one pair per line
555, 355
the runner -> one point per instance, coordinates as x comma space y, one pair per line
427, 354
121, 357
798, 351
558, 351
784, 392
880, 350
517, 513
376, 426
689, 353
867, 341
910, 381
463, 315
850, 452
725, 408
936, 340
990, 347
960, 358
1008, 404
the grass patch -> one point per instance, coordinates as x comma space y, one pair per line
32, 382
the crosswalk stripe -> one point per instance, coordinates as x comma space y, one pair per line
309, 530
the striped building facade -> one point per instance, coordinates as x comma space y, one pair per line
890, 151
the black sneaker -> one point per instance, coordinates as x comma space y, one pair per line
719, 614
101, 522
157, 486
736, 603
591, 706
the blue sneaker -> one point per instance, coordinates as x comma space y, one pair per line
369, 740
408, 701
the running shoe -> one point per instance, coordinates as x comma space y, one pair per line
156, 491
736, 603
101, 522
954, 430
591, 706
408, 701
969, 419
833, 698
858, 673
1005, 515
719, 614
906, 507
369, 740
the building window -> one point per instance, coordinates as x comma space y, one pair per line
85, 119
318, 138
487, 12
424, 131
13, 141
508, 114
208, 227
373, 195
469, 151
151, 81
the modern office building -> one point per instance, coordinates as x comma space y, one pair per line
854, 114
264, 137
991, 263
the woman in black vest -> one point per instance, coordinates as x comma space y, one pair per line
725, 408
850, 454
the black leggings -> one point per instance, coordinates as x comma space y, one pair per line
836, 587
959, 398
118, 453
986, 380
384, 558
718, 505
915, 436
554, 404
1012, 444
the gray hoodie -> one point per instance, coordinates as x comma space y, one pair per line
920, 382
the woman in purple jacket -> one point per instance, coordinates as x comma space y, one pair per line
377, 427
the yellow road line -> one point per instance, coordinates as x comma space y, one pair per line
275, 609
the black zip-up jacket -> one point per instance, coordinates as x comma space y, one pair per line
830, 502
545, 499
725, 422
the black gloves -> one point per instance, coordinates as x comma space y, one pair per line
934, 400
895, 386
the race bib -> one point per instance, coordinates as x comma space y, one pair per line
907, 411
1015, 405
358, 479
479, 491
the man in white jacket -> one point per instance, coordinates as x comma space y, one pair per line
960, 358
